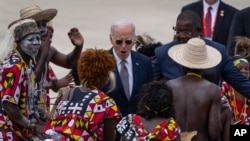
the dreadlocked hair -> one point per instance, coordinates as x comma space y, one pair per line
94, 67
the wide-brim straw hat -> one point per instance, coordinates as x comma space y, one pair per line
36, 13
195, 54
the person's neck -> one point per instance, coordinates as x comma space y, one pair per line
194, 74
211, 2
26, 58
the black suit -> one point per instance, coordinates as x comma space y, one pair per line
142, 73
223, 21
240, 27
164, 66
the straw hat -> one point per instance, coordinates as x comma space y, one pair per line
36, 13
195, 54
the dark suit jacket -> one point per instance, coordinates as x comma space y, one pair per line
164, 66
240, 27
142, 73
223, 23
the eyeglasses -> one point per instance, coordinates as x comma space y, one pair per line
185, 33
127, 42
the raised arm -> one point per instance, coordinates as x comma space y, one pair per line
67, 61
43, 55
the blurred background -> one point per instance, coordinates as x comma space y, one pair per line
94, 17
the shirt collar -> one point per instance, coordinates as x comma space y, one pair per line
118, 59
214, 6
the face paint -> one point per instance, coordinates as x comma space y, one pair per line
30, 44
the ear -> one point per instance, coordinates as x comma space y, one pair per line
110, 38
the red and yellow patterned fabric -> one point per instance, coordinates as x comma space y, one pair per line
44, 97
81, 118
240, 110
14, 85
131, 128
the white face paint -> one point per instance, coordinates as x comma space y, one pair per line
30, 44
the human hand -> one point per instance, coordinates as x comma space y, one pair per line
63, 82
44, 115
33, 124
46, 41
76, 37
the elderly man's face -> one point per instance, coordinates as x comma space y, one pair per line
123, 39
30, 44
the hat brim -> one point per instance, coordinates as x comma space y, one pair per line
44, 15
213, 57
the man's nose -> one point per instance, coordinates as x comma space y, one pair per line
37, 41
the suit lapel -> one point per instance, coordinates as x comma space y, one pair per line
199, 9
136, 71
219, 19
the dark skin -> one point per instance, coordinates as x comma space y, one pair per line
226, 121
66, 60
184, 25
109, 130
43, 54
197, 99
15, 115
13, 110
49, 53
42, 57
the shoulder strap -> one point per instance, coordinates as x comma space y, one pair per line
68, 94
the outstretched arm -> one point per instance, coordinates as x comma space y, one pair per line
55, 84
67, 61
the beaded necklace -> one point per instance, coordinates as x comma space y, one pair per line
31, 82
239, 115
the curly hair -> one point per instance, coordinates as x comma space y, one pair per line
156, 100
94, 67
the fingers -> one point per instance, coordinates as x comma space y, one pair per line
51, 29
72, 31
33, 124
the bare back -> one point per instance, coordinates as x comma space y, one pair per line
197, 106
